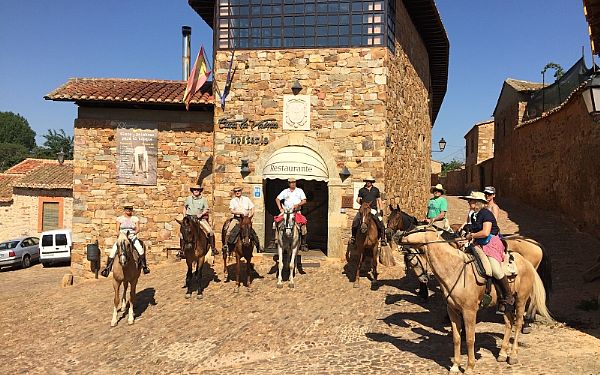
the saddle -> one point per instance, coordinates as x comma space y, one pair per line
233, 235
483, 266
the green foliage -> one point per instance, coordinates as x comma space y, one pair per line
11, 154
15, 129
558, 70
451, 166
55, 141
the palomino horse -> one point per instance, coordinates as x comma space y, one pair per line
367, 239
125, 271
288, 239
242, 248
195, 248
464, 290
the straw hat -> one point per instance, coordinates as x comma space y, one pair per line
438, 187
369, 178
237, 188
196, 187
128, 205
476, 196
291, 179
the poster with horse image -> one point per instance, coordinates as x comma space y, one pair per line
137, 145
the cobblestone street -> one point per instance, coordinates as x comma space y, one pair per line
324, 325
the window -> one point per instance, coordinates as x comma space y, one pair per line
50, 215
35, 241
61, 239
47, 240
305, 23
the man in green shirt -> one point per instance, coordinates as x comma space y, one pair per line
196, 207
437, 207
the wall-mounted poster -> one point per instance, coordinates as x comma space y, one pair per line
137, 145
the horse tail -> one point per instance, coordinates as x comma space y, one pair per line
538, 297
545, 271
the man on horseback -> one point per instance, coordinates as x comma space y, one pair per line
437, 207
196, 207
130, 226
239, 206
371, 194
484, 233
490, 194
294, 198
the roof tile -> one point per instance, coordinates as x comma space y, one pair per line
51, 175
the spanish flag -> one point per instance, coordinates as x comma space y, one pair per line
198, 77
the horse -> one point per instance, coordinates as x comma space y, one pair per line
242, 248
367, 239
195, 248
125, 271
288, 239
464, 290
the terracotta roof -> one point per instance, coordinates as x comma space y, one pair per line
49, 176
7, 182
121, 90
26, 166
523, 85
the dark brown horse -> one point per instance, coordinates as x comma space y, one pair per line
195, 248
367, 241
242, 248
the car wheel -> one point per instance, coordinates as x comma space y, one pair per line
26, 261
45, 264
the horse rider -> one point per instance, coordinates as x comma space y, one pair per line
484, 233
196, 207
128, 225
437, 207
293, 199
240, 206
490, 194
370, 193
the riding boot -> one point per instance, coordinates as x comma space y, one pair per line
303, 245
144, 264
109, 264
353, 238
507, 299
211, 240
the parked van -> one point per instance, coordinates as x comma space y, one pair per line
55, 246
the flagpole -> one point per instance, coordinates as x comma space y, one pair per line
214, 85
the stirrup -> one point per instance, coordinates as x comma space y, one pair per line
352, 239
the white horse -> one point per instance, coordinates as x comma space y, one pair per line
288, 238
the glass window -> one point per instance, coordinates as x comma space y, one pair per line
61, 239
47, 240
49, 216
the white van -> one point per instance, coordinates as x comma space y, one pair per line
55, 247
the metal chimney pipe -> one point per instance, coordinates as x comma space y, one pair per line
186, 31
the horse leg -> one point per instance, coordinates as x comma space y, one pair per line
527, 320
518, 317
238, 260
131, 318
360, 260
294, 250
188, 278
375, 282
280, 266
502, 355
456, 323
470, 319
124, 299
199, 267
116, 300
225, 275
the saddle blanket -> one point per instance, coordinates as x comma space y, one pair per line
508, 265
298, 218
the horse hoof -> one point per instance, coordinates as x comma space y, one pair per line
512, 361
113, 324
454, 369
355, 285
200, 296
236, 289
188, 296
279, 286
526, 329
501, 358
130, 322
468, 371
292, 286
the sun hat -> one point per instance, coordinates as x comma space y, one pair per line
128, 205
438, 187
291, 179
489, 190
196, 187
369, 178
237, 188
476, 196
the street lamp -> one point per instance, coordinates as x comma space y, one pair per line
441, 145
61, 156
591, 97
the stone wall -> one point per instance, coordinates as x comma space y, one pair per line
185, 144
552, 163
479, 148
453, 182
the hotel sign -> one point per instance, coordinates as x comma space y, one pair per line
241, 124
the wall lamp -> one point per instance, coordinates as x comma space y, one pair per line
244, 170
345, 173
441, 145
591, 97
296, 87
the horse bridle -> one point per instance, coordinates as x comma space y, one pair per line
187, 243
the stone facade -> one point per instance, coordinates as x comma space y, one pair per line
185, 144
550, 162
479, 148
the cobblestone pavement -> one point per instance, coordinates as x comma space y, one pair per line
323, 326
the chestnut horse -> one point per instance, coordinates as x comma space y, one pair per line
195, 248
126, 271
242, 248
367, 240
464, 290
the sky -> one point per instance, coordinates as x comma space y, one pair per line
44, 43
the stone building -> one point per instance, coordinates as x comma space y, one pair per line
317, 89
35, 196
479, 147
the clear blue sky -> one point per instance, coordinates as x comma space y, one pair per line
43, 43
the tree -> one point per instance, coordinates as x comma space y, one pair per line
11, 154
55, 141
558, 70
14, 128
451, 166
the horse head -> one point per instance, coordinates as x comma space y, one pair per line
187, 233
289, 220
123, 248
246, 231
399, 222
365, 212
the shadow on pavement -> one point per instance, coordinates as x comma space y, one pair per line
144, 299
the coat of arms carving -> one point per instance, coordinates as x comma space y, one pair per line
296, 112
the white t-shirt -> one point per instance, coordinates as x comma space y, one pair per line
291, 198
241, 204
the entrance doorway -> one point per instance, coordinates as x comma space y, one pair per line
315, 210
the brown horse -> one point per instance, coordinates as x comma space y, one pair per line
367, 242
464, 290
242, 248
126, 271
195, 248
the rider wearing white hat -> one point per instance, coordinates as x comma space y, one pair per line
293, 199
239, 206
196, 207
437, 207
370, 193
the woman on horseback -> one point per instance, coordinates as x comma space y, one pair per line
130, 226
484, 233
